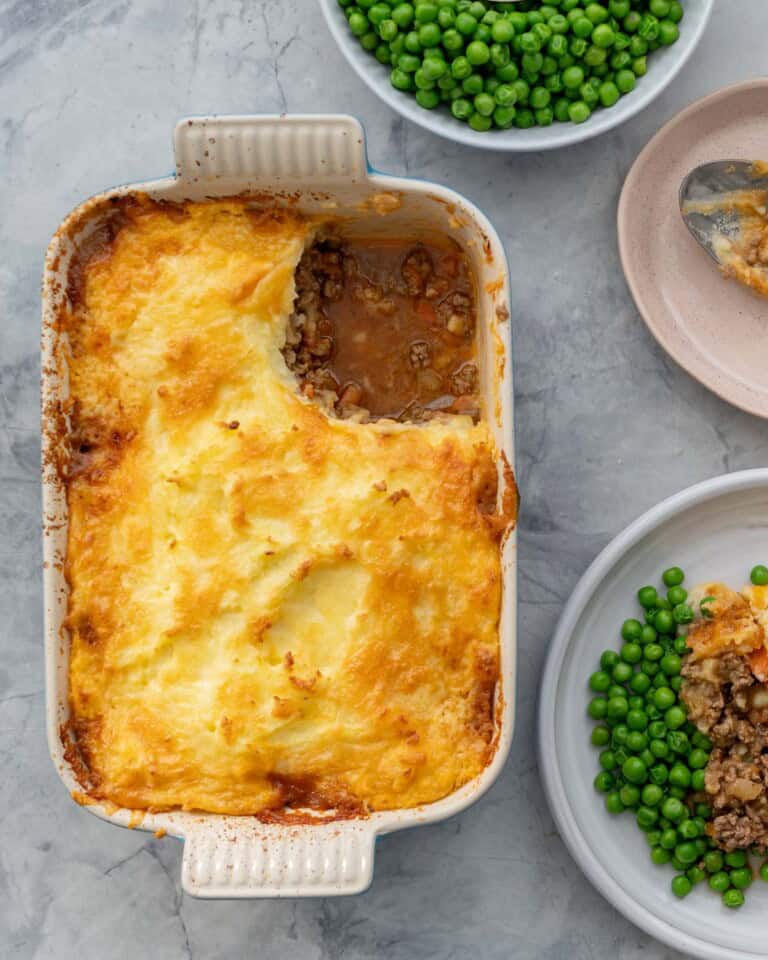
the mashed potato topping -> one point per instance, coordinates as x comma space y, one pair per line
269, 608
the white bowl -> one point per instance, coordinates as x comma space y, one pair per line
663, 66
714, 530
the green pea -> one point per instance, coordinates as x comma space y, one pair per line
472, 84
764, 871
688, 829
428, 99
660, 856
502, 31
434, 68
634, 770
698, 780
675, 12
466, 24
609, 95
672, 577
682, 613
379, 12
681, 886
741, 878
478, 53
625, 81
640, 683
505, 95
637, 720
652, 837
686, 853
672, 809
663, 621
703, 811
480, 123
674, 718
677, 595
629, 795
697, 759
759, 575
668, 33
613, 803
677, 741
461, 108
621, 673
658, 774
603, 36
461, 68
647, 597
713, 861
403, 15
653, 652
540, 98
652, 795
648, 635
400, 80
733, 899
736, 858
484, 104
421, 80
426, 12
646, 817
668, 839
411, 42
636, 741
720, 881
664, 698
429, 35
671, 664
680, 776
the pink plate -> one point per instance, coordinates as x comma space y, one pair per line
714, 328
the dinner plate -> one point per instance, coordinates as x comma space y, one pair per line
714, 530
714, 328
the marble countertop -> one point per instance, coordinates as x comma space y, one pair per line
607, 425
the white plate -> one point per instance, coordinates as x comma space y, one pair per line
663, 67
714, 530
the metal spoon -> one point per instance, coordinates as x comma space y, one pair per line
707, 184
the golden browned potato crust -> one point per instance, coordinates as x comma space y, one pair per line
268, 607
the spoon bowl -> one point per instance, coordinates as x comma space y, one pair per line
701, 195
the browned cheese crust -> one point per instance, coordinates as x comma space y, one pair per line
269, 607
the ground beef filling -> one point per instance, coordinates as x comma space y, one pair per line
383, 330
727, 703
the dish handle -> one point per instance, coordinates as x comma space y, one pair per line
277, 860
273, 149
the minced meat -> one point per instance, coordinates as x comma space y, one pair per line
725, 701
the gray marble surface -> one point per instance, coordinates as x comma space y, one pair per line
607, 425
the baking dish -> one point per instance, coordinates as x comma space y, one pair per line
319, 163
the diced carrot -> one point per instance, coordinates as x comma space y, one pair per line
426, 311
758, 663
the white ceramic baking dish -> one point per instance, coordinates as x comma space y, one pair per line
320, 163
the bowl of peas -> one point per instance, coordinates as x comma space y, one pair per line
517, 76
